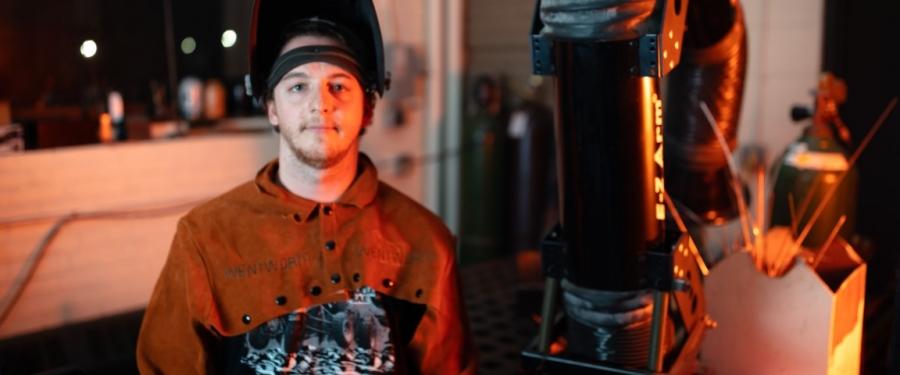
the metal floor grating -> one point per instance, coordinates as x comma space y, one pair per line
500, 334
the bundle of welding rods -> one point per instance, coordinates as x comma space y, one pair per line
774, 250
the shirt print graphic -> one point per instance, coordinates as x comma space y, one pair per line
351, 337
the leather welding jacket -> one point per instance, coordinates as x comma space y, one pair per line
259, 261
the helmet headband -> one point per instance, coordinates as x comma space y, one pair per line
334, 55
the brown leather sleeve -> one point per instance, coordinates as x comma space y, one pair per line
174, 338
442, 343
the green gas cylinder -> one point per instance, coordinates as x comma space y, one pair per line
814, 164
809, 168
483, 176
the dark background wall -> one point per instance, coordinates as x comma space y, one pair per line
40, 42
861, 46
42, 39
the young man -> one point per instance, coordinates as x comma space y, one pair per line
314, 267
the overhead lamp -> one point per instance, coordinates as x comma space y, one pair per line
88, 48
188, 45
229, 38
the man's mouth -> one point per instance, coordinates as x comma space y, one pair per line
320, 128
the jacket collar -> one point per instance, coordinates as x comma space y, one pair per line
360, 193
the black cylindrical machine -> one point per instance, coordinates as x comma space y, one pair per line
632, 291
608, 131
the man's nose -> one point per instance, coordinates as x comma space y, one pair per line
323, 102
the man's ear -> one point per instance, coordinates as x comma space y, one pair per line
271, 113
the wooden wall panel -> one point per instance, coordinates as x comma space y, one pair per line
101, 267
104, 177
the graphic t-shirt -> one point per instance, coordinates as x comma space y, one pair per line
349, 337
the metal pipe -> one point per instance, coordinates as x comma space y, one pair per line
712, 71
657, 331
548, 312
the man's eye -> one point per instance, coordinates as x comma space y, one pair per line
297, 87
338, 87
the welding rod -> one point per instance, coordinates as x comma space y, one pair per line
853, 159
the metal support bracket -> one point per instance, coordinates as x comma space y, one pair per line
541, 47
676, 271
553, 253
648, 56
659, 53
542, 55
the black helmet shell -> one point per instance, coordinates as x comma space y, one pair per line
271, 17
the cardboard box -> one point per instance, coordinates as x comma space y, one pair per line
807, 322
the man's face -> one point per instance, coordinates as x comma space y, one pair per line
318, 107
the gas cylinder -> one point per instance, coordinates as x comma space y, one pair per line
483, 176
814, 164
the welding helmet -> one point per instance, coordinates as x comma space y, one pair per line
354, 20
